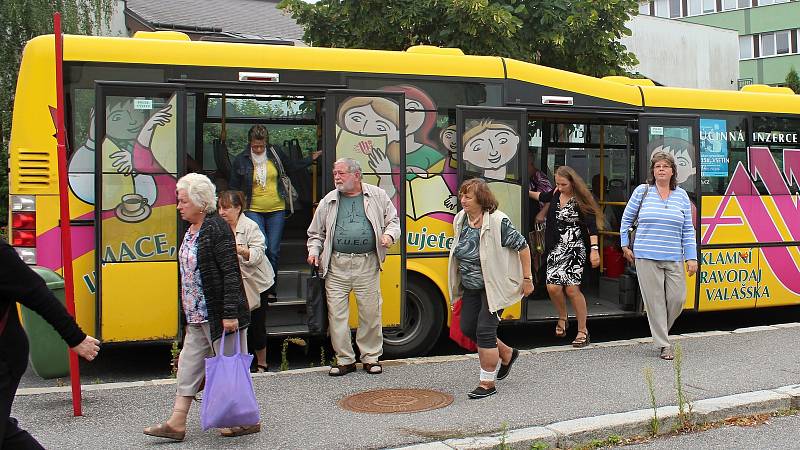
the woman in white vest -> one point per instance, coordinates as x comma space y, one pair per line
490, 269
257, 273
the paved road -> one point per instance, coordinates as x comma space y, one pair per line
779, 433
146, 362
548, 385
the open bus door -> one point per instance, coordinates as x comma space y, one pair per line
492, 144
678, 134
357, 127
140, 142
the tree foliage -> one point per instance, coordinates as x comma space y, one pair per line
576, 35
793, 81
20, 21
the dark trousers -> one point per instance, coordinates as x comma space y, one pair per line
13, 362
257, 332
477, 322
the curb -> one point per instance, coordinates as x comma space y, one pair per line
414, 361
575, 432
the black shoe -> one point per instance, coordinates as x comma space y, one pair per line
481, 392
506, 368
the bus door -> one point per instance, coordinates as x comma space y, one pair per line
368, 126
139, 155
492, 144
678, 134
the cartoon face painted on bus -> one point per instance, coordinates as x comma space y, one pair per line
126, 151
682, 151
490, 146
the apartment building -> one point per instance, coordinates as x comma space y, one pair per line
768, 31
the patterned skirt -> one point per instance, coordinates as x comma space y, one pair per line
565, 264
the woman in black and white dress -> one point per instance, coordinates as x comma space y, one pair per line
573, 221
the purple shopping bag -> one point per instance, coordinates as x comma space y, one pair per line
229, 399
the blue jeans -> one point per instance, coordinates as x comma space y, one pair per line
271, 225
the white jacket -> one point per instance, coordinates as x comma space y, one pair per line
257, 273
380, 212
501, 268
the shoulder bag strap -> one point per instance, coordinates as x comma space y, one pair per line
644, 195
278, 162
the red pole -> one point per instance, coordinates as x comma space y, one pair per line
66, 231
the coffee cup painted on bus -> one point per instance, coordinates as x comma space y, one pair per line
133, 204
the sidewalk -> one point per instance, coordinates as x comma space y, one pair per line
556, 391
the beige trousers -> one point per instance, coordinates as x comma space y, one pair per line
357, 273
197, 346
663, 286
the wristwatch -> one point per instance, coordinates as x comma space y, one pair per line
594, 247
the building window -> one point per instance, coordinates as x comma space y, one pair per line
695, 7
674, 8
782, 42
709, 6
728, 5
771, 2
744, 3
644, 8
745, 47
767, 44
662, 8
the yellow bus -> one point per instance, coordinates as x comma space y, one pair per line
419, 122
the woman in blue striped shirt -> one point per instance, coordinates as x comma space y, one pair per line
665, 238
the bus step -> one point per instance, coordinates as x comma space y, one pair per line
283, 301
288, 330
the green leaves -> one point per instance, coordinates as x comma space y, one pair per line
576, 35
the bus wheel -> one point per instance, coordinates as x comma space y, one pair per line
423, 322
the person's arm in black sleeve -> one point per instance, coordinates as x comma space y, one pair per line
547, 197
19, 283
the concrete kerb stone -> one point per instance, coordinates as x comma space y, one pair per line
580, 431
747, 403
632, 423
753, 329
787, 325
793, 391
513, 439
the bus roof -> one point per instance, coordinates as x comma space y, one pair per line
154, 50
224, 54
718, 100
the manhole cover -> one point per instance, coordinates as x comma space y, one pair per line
390, 401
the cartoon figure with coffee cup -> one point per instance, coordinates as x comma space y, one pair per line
131, 168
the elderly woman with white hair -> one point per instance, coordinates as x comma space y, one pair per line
212, 298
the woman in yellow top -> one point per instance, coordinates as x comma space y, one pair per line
255, 172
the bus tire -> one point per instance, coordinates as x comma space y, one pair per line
424, 314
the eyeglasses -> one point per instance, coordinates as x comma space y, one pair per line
662, 166
258, 147
341, 172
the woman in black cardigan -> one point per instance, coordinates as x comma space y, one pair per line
212, 298
573, 221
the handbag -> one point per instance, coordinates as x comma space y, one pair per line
316, 303
229, 399
455, 329
285, 181
635, 224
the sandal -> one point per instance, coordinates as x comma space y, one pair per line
373, 368
581, 341
561, 332
666, 354
164, 430
260, 369
240, 431
339, 370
